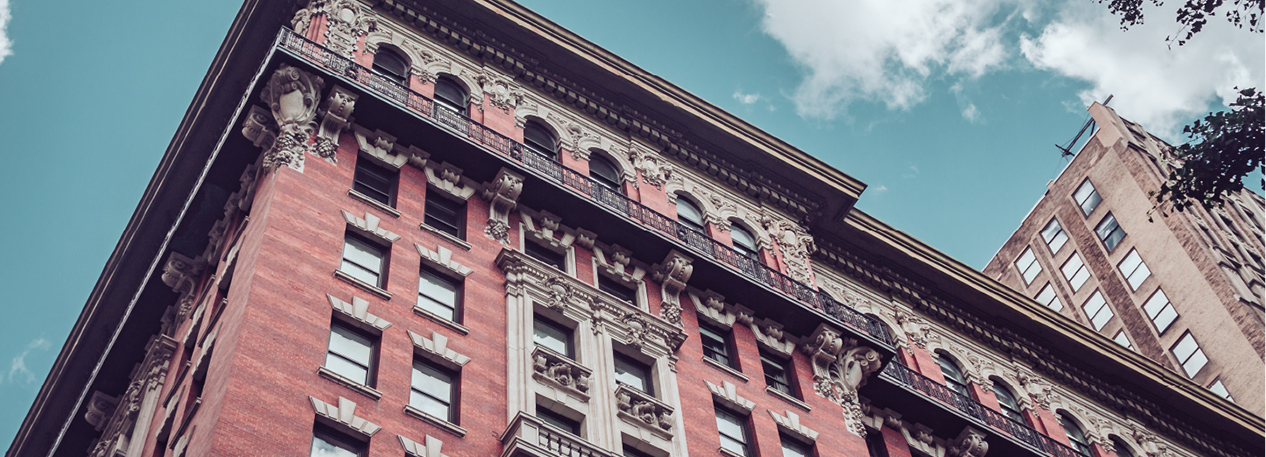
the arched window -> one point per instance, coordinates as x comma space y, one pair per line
1075, 436
689, 214
388, 63
539, 140
603, 172
954, 378
744, 242
450, 95
1123, 450
1006, 400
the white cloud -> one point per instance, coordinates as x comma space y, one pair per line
18, 372
911, 171
881, 188
884, 50
1153, 84
6, 46
743, 98
971, 113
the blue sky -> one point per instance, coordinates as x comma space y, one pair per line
949, 110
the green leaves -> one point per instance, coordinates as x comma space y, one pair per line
1224, 147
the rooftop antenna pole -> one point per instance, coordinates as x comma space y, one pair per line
1066, 151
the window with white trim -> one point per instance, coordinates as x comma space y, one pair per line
330, 443
1087, 197
1075, 272
1047, 297
1189, 355
1028, 266
1097, 310
1054, 236
433, 390
364, 260
793, 448
1134, 270
1160, 311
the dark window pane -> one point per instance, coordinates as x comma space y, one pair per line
1006, 400
604, 172
633, 373
444, 214
449, 95
552, 336
875, 444
1075, 436
549, 257
715, 345
327, 443
374, 181
733, 431
558, 420
391, 65
620, 290
689, 214
540, 141
953, 375
1110, 232
777, 375
438, 294
744, 242
792, 448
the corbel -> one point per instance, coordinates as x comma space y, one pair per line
614, 260
502, 194
542, 226
672, 275
823, 347
770, 336
337, 116
379, 145
448, 178
710, 307
586, 238
294, 116
970, 443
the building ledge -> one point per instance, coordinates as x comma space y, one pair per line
374, 203
459, 328
362, 389
450, 238
362, 284
442, 424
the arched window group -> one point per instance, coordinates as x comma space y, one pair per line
954, 378
1076, 438
450, 95
604, 173
390, 64
539, 140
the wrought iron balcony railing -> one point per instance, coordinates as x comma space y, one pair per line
699, 243
900, 374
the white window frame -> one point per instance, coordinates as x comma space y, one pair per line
1056, 241
1155, 310
1027, 268
1079, 276
1097, 318
1137, 269
1184, 360
1053, 303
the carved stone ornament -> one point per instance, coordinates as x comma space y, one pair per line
1037, 389
796, 245
344, 414
970, 443
643, 408
561, 371
502, 193
129, 421
346, 22
292, 98
559, 293
181, 274
638, 330
655, 170
338, 114
501, 92
672, 275
847, 366
1149, 443
100, 407
914, 327
413, 449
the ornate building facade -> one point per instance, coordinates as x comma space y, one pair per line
454, 228
1183, 289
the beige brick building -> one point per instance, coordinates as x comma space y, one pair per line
1181, 288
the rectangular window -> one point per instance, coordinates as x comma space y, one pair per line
1160, 311
568, 424
1220, 389
1110, 232
351, 353
1047, 297
778, 374
716, 346
433, 390
1134, 270
1123, 340
374, 181
1054, 236
545, 255
733, 430
329, 443
1028, 266
633, 373
618, 289
552, 336
445, 214
1087, 197
1097, 310
364, 260
1189, 355
1075, 272
439, 294
793, 448
875, 445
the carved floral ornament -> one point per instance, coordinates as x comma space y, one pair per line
130, 415
283, 129
840, 367
346, 22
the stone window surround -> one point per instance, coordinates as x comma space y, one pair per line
790, 424
343, 417
540, 227
355, 314
431, 448
441, 260
603, 324
435, 349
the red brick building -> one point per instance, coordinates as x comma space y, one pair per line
454, 228
1181, 288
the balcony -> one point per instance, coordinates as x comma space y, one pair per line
529, 436
698, 244
1016, 438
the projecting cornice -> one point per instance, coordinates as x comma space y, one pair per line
1014, 324
783, 193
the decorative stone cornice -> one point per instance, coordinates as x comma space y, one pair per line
710, 307
344, 415
790, 424
291, 95
382, 147
728, 396
358, 310
770, 335
130, 413
840, 367
644, 410
442, 258
431, 449
182, 274
561, 371
672, 275
368, 225
970, 443
436, 348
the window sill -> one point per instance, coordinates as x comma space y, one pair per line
374, 203
362, 284
452, 239
789, 399
441, 423
350, 384
727, 369
729, 453
459, 328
